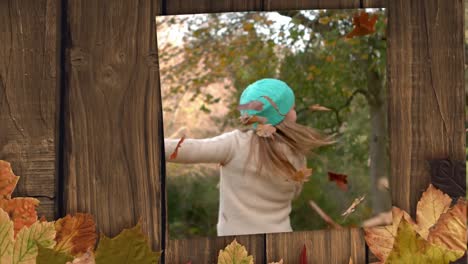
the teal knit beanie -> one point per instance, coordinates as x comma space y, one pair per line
263, 90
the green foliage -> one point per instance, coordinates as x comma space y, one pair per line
192, 205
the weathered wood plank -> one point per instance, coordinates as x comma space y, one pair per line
426, 92
29, 55
205, 250
307, 4
174, 7
374, 3
112, 134
323, 246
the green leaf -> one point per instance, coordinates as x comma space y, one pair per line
410, 247
50, 256
25, 247
130, 246
6, 237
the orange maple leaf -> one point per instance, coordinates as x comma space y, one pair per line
22, 211
8, 180
363, 25
75, 234
265, 130
174, 154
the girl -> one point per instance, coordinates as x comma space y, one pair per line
262, 167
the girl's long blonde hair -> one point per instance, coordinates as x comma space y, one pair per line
296, 138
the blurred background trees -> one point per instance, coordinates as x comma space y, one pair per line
218, 55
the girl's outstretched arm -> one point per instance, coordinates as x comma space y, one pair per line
217, 149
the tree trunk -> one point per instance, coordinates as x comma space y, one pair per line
378, 143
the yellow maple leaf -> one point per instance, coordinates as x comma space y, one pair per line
432, 204
234, 253
75, 234
450, 230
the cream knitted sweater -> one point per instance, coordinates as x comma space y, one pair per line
249, 203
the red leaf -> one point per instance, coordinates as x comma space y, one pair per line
174, 154
362, 25
253, 105
303, 257
340, 179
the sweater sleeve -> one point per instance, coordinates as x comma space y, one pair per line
217, 149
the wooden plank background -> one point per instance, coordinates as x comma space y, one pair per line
111, 130
112, 134
29, 93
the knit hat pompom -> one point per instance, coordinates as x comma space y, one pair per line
269, 98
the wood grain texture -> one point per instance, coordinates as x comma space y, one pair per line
206, 250
111, 145
174, 7
426, 92
374, 3
272, 5
323, 246
29, 84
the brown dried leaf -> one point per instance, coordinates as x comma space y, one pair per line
432, 204
75, 234
450, 230
8, 180
324, 215
317, 107
302, 175
252, 105
22, 211
265, 130
248, 119
174, 154
273, 104
353, 206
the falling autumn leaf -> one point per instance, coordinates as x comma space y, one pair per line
303, 256
50, 256
234, 253
317, 107
174, 154
340, 180
450, 230
363, 25
75, 234
353, 206
6, 237
246, 119
265, 130
273, 104
22, 211
324, 215
252, 105
8, 180
302, 175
